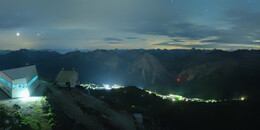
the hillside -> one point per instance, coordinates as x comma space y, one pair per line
208, 74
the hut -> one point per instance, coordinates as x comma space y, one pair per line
67, 78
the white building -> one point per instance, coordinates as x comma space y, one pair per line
67, 77
19, 82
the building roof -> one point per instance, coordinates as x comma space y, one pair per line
65, 76
18, 73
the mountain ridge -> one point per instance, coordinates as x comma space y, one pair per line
151, 69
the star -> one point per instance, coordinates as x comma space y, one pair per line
18, 34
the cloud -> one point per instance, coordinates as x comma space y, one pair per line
113, 39
132, 38
187, 45
180, 28
14, 20
245, 28
76, 23
177, 40
114, 43
164, 44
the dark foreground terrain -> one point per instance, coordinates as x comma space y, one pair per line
115, 109
165, 114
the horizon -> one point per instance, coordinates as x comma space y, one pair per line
89, 50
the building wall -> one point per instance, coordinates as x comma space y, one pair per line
6, 77
20, 92
31, 74
74, 80
35, 83
5, 87
33, 86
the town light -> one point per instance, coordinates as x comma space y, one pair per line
242, 98
107, 86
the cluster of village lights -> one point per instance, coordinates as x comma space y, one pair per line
171, 97
101, 87
181, 98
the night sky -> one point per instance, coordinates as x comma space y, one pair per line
130, 24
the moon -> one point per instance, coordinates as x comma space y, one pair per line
17, 34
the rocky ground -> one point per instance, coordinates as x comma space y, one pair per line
76, 109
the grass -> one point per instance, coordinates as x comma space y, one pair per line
40, 116
37, 119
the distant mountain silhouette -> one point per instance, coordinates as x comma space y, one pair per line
4, 51
202, 73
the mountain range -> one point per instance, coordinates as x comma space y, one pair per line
200, 73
